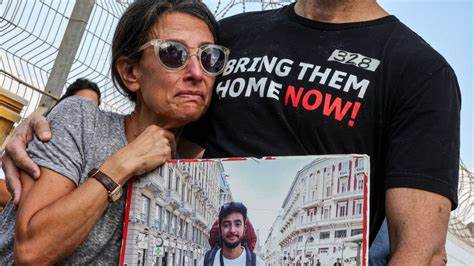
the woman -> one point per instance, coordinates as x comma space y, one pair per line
164, 59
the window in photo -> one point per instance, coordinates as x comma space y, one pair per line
355, 232
340, 233
360, 182
326, 213
170, 177
324, 235
323, 250
344, 184
145, 212
157, 220
358, 208
342, 210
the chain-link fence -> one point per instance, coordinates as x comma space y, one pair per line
223, 8
32, 33
461, 223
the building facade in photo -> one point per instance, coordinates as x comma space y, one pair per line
225, 195
322, 215
173, 209
272, 253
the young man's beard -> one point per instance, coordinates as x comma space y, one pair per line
233, 244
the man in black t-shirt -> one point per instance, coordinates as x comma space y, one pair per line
338, 77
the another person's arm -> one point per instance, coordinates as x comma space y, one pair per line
15, 157
422, 165
418, 222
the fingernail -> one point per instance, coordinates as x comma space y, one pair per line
44, 134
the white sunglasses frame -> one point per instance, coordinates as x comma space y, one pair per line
156, 47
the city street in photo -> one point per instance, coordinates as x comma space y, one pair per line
305, 210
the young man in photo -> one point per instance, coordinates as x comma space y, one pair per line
232, 250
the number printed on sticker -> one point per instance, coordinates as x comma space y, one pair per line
354, 59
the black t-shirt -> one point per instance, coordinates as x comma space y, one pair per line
294, 86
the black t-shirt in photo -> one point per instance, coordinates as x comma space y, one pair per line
294, 86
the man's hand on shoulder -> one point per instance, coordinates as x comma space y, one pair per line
15, 157
417, 223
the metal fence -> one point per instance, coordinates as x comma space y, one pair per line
32, 33
223, 7
459, 223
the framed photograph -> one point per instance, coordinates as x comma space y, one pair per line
305, 210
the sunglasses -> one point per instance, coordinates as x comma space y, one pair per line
174, 55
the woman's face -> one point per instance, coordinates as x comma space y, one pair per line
176, 97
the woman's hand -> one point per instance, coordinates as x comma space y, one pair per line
53, 209
152, 148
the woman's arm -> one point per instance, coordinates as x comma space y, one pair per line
55, 217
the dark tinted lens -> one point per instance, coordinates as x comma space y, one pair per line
172, 54
213, 59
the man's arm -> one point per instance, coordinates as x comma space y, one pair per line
417, 223
15, 157
421, 163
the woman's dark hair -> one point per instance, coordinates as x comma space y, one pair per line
80, 84
134, 26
